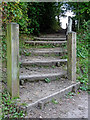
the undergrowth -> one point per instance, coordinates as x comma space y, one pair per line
82, 55
10, 109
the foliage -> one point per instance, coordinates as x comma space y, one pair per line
54, 101
4, 48
15, 12
81, 10
31, 16
82, 55
42, 16
70, 95
26, 53
47, 80
10, 108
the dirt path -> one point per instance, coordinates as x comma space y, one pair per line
67, 107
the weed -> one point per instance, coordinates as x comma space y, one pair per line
47, 80
27, 53
46, 67
54, 101
70, 95
57, 78
10, 108
64, 57
53, 66
33, 65
46, 55
24, 104
20, 63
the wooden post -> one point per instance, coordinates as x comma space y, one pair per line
13, 59
69, 27
71, 47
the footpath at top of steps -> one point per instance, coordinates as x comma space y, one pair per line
58, 36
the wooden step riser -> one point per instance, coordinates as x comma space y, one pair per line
49, 39
34, 78
58, 64
49, 45
45, 43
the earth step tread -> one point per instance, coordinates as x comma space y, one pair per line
48, 38
40, 70
45, 42
37, 93
42, 76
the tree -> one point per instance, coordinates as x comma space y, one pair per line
81, 9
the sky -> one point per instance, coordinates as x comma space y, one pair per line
64, 20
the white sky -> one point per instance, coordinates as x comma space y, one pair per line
64, 20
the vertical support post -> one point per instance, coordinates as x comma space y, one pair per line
71, 64
13, 59
69, 27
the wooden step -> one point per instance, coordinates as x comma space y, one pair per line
44, 51
38, 61
42, 76
45, 42
48, 39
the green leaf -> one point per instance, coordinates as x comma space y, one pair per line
47, 80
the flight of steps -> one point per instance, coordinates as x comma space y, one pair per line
43, 73
42, 57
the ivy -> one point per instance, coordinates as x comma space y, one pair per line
32, 17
